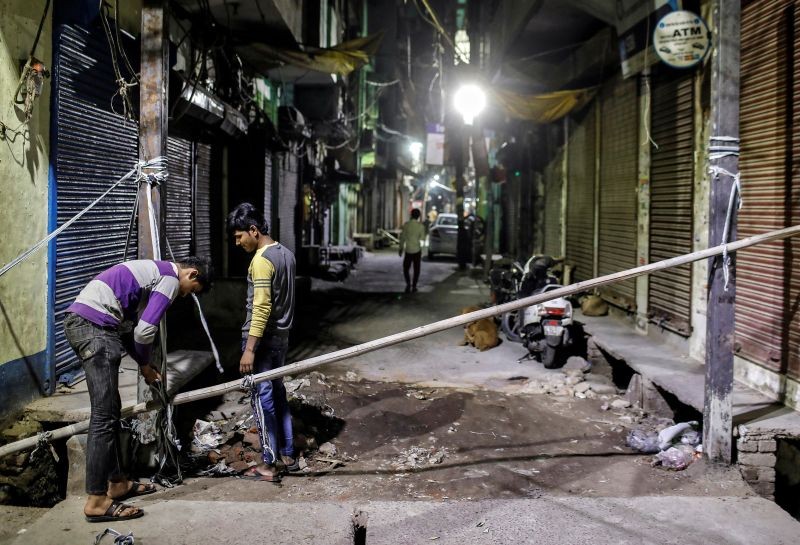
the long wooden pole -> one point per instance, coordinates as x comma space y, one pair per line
422, 331
724, 163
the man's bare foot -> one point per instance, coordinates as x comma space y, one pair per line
263, 472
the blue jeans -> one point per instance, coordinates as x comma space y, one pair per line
100, 352
276, 432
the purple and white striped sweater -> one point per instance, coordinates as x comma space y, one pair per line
140, 291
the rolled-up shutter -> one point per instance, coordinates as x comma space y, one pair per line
553, 181
179, 197
202, 200
671, 189
768, 276
93, 147
618, 175
580, 195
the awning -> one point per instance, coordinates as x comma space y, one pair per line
544, 108
340, 59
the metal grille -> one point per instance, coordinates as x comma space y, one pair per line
580, 195
179, 197
671, 188
553, 181
93, 148
202, 201
618, 175
287, 202
768, 277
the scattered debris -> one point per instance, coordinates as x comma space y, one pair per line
417, 457
328, 449
620, 404
676, 458
578, 363
642, 441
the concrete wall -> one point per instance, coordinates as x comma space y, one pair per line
24, 171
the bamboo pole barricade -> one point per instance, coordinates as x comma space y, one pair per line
422, 331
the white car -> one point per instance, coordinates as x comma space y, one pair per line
443, 235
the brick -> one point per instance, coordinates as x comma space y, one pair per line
767, 446
757, 459
766, 474
747, 446
749, 474
764, 489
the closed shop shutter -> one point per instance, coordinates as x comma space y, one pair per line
287, 202
553, 181
93, 147
202, 201
768, 276
671, 189
618, 175
179, 198
580, 195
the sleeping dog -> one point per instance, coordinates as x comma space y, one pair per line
482, 334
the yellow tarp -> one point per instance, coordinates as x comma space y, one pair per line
340, 59
544, 108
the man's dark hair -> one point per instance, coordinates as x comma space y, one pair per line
245, 215
205, 271
415, 214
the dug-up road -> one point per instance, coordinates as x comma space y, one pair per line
439, 443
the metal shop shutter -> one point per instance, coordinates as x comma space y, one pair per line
287, 202
671, 203
580, 195
202, 200
179, 198
618, 175
553, 180
93, 147
768, 276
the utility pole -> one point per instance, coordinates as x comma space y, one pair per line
724, 169
153, 116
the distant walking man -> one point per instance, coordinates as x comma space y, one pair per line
138, 291
265, 336
411, 238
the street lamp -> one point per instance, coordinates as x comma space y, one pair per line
469, 101
416, 150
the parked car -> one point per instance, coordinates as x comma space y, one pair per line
443, 235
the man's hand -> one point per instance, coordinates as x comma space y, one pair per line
150, 374
246, 362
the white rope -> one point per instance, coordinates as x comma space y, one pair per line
137, 170
728, 147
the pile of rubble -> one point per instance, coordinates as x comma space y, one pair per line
575, 380
419, 457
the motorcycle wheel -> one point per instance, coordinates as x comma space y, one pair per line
550, 357
510, 326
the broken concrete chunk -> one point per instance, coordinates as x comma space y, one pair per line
573, 380
577, 363
602, 389
620, 404
582, 388
328, 449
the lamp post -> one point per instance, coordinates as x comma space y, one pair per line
469, 101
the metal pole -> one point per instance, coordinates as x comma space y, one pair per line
717, 410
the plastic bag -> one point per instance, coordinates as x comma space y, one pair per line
643, 441
667, 436
676, 458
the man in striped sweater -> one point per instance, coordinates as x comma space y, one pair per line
265, 336
132, 292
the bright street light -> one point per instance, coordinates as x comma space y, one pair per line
416, 150
469, 101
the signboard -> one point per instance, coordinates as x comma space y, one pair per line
434, 147
638, 20
681, 39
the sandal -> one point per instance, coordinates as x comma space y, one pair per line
138, 489
114, 512
293, 467
252, 474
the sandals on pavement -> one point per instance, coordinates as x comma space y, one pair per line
293, 467
114, 512
252, 474
138, 489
